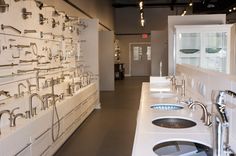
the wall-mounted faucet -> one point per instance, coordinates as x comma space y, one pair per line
37, 79
32, 109
220, 123
13, 116
5, 93
30, 86
19, 90
182, 87
206, 115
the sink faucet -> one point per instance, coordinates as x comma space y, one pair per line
220, 123
29, 86
31, 109
37, 79
5, 93
182, 87
19, 91
206, 115
13, 117
1, 113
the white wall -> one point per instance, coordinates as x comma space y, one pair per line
106, 60
127, 24
159, 48
187, 20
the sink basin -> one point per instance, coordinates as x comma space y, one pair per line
174, 123
167, 107
163, 95
182, 148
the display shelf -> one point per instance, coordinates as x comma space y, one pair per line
211, 44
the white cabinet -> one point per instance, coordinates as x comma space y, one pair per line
206, 46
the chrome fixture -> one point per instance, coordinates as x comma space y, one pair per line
19, 91
27, 61
42, 34
25, 13
8, 65
37, 79
3, 6
1, 113
19, 46
42, 19
14, 116
30, 31
206, 116
46, 98
32, 109
54, 23
220, 123
30, 86
5, 93
182, 87
10, 27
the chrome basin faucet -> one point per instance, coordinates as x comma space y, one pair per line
205, 116
31, 109
220, 123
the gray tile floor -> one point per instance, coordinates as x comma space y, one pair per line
110, 130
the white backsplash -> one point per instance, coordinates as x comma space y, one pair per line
201, 82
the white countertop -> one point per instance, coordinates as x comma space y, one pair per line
148, 135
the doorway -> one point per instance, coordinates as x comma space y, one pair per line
140, 59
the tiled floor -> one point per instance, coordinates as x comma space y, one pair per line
110, 130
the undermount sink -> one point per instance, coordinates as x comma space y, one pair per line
163, 95
167, 107
174, 122
182, 148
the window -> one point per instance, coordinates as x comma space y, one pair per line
149, 53
137, 53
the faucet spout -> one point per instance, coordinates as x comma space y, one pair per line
31, 109
19, 90
205, 115
220, 122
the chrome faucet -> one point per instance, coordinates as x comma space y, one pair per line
37, 79
206, 115
19, 91
47, 96
1, 113
5, 93
30, 86
182, 87
31, 109
220, 123
13, 117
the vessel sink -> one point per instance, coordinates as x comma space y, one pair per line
174, 123
167, 107
163, 95
182, 148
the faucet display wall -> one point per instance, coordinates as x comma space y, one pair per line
38, 48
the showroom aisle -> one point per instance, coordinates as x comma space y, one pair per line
110, 130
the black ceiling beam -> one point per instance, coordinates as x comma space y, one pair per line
149, 5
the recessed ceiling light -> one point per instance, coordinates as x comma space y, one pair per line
234, 8
230, 10
190, 4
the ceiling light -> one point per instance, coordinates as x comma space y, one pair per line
142, 22
230, 10
141, 5
234, 8
190, 4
